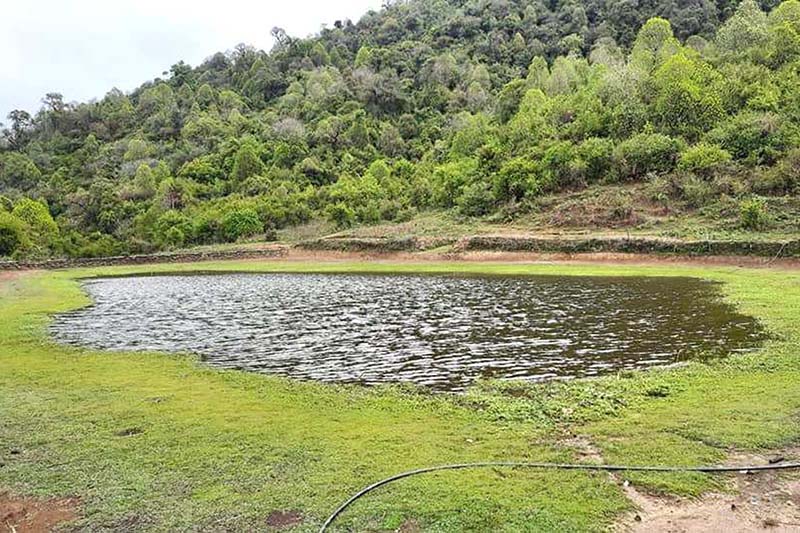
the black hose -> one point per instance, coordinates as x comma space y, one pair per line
557, 466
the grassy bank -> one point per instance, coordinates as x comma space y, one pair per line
159, 442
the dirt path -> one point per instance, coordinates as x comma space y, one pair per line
31, 515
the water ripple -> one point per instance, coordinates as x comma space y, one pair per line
442, 332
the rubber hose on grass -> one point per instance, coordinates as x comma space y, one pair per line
558, 466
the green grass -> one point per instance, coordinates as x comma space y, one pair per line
157, 442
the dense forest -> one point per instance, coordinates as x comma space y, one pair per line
473, 106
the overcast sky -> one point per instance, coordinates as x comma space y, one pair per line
83, 48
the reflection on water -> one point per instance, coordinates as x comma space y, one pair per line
443, 332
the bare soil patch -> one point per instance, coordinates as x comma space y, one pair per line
766, 501
284, 519
32, 515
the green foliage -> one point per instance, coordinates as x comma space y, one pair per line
423, 105
644, 154
755, 138
40, 224
476, 200
753, 214
783, 178
17, 171
241, 223
596, 155
341, 214
704, 159
247, 162
13, 234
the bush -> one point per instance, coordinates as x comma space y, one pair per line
645, 153
597, 155
174, 237
476, 200
167, 223
340, 214
517, 179
753, 214
99, 245
241, 223
36, 215
756, 138
12, 234
784, 178
696, 191
704, 159
561, 165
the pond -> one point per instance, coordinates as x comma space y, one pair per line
443, 332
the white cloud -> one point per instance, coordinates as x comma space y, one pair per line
83, 48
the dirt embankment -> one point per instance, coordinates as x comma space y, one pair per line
269, 252
508, 248
561, 245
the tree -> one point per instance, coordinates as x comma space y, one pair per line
247, 162
654, 44
686, 101
21, 125
745, 31
17, 171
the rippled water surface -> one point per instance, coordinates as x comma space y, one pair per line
439, 331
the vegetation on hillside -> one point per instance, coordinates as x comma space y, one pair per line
472, 106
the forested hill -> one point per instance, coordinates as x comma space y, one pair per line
474, 106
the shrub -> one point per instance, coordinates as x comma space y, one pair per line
164, 228
783, 178
174, 237
696, 191
99, 245
597, 155
37, 217
241, 223
755, 138
561, 165
340, 214
12, 234
645, 153
476, 200
704, 159
753, 214
516, 179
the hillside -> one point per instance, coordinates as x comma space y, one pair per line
588, 115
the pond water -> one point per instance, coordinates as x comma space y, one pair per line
440, 331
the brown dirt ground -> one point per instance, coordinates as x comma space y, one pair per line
522, 257
32, 515
8, 275
763, 501
284, 519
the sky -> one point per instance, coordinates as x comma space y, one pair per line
84, 48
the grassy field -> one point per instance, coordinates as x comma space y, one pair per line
157, 442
